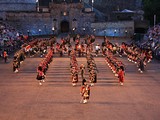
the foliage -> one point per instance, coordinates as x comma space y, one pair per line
151, 8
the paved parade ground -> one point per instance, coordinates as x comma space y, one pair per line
21, 97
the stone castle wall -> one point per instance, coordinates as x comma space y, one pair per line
120, 28
45, 22
17, 5
42, 23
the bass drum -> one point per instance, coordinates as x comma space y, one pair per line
157, 53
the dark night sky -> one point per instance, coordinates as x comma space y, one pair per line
46, 2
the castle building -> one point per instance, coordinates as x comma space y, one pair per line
57, 16
40, 17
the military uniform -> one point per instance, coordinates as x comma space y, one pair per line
85, 93
5, 55
121, 76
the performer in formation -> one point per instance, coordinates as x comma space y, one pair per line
40, 75
121, 75
114, 64
85, 92
5, 56
15, 65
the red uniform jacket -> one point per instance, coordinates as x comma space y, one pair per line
121, 76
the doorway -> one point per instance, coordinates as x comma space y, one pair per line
64, 26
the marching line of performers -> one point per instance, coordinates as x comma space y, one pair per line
43, 67
20, 55
82, 47
92, 69
85, 88
138, 56
36, 46
116, 66
64, 46
134, 54
74, 68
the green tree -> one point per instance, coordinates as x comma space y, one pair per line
151, 8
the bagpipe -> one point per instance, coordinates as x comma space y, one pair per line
85, 92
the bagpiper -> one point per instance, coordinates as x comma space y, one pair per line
40, 75
5, 55
85, 92
74, 77
121, 75
15, 65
